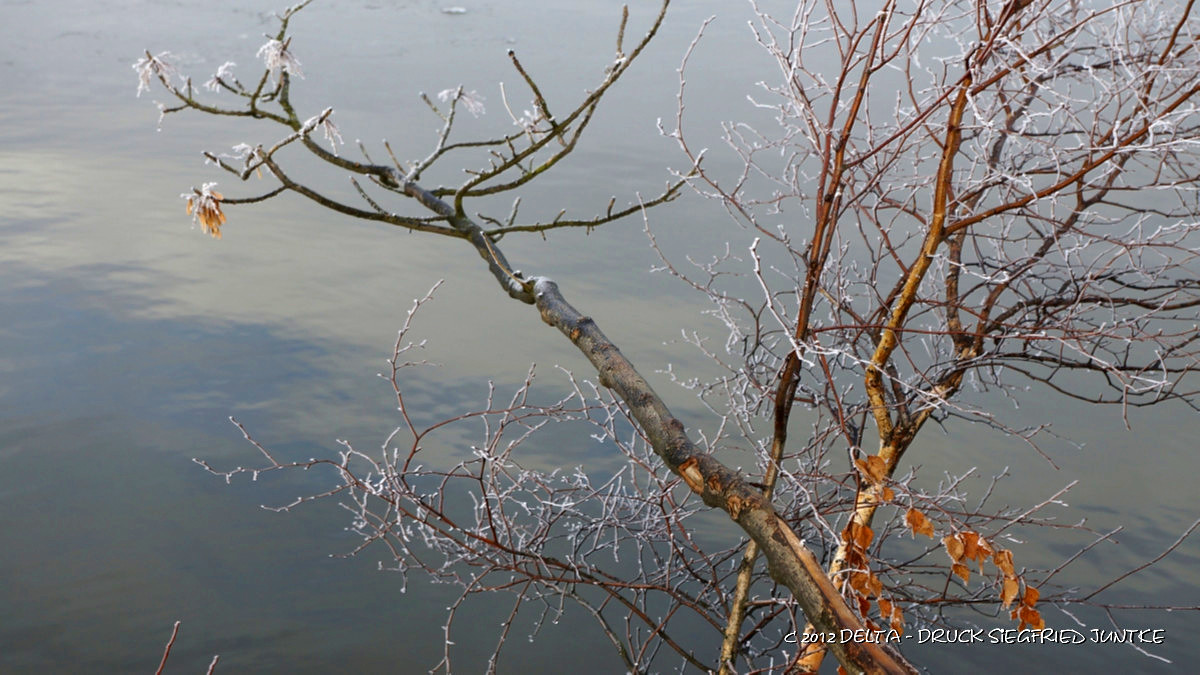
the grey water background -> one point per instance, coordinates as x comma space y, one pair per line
127, 338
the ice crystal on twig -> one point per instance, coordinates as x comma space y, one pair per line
472, 99
330, 130
277, 57
241, 151
530, 120
151, 66
223, 73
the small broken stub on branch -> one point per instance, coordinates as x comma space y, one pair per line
735, 505
606, 381
577, 330
690, 471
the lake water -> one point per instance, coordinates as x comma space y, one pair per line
127, 339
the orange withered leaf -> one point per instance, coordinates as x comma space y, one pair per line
1032, 617
888, 494
873, 467
885, 608
866, 583
1008, 592
954, 547
858, 581
1031, 596
918, 523
970, 542
863, 468
859, 535
874, 585
985, 552
1004, 561
962, 571
863, 536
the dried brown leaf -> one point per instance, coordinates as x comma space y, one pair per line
918, 523
962, 571
885, 608
864, 606
970, 542
874, 585
1008, 591
984, 552
1004, 561
954, 547
1031, 616
1031, 596
873, 468
863, 536
858, 581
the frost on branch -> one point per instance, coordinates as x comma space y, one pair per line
149, 67
472, 99
975, 198
999, 199
278, 58
328, 128
224, 73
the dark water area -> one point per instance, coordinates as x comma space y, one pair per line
128, 339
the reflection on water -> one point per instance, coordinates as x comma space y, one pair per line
127, 339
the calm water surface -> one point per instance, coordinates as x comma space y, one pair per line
127, 338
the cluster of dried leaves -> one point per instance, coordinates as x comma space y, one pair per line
204, 206
963, 547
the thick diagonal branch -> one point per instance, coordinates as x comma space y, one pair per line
790, 562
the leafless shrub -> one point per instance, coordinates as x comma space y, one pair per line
984, 196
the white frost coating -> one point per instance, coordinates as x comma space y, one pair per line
150, 66
241, 151
223, 73
472, 99
328, 128
277, 57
